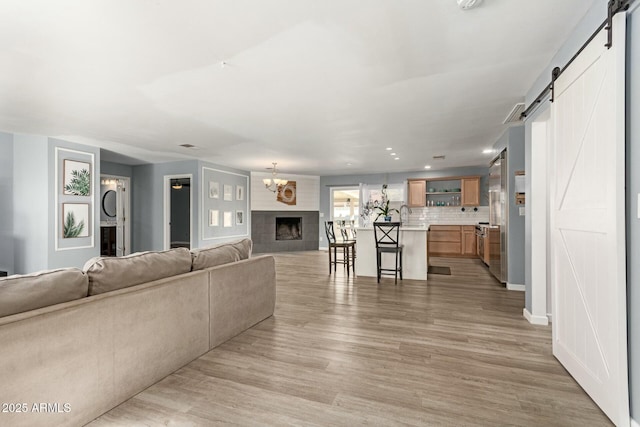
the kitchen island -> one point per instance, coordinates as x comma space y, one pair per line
414, 258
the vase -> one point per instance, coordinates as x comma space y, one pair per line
387, 218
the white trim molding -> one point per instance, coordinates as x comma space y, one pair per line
634, 423
515, 287
535, 320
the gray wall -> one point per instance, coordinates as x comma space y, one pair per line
34, 208
72, 257
147, 227
513, 140
117, 169
633, 193
30, 203
147, 182
590, 23
6, 203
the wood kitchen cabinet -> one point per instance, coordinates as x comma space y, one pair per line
451, 191
470, 191
417, 194
452, 240
469, 240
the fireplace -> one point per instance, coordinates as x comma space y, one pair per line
285, 231
288, 228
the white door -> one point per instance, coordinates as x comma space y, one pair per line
588, 224
122, 217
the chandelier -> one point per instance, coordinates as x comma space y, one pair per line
274, 184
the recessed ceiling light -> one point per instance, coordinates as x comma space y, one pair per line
487, 151
397, 158
349, 164
389, 148
392, 154
427, 167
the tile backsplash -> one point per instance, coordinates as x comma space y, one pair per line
448, 215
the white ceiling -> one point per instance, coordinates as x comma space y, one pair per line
321, 87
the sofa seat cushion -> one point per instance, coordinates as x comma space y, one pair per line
20, 293
221, 254
108, 274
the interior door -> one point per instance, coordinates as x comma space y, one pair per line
587, 223
122, 220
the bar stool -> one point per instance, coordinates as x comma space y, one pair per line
387, 236
348, 249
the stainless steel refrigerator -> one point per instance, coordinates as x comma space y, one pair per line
498, 217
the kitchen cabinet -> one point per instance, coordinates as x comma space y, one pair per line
452, 240
445, 192
486, 251
470, 191
417, 194
469, 240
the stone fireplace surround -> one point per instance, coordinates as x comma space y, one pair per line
263, 231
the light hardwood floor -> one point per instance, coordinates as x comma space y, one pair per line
347, 351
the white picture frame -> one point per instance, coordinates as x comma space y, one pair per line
214, 190
227, 220
239, 217
239, 192
214, 218
228, 193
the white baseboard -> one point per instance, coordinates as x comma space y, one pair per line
535, 320
634, 423
323, 248
515, 287
551, 320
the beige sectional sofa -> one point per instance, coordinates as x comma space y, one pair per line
127, 323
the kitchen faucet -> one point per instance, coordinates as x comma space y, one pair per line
405, 210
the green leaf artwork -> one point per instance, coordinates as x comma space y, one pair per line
70, 228
79, 184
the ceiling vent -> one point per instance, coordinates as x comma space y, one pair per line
441, 157
468, 4
515, 116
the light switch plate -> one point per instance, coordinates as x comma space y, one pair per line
321, 214
522, 210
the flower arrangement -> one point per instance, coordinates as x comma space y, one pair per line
383, 208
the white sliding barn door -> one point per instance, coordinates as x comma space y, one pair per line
588, 224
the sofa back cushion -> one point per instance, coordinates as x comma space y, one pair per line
221, 254
20, 293
108, 274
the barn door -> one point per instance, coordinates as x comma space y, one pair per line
587, 223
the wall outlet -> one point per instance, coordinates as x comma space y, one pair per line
321, 238
321, 214
522, 210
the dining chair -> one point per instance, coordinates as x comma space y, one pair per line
387, 237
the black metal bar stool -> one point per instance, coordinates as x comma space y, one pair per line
348, 250
387, 236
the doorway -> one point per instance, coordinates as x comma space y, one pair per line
345, 204
178, 211
115, 205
